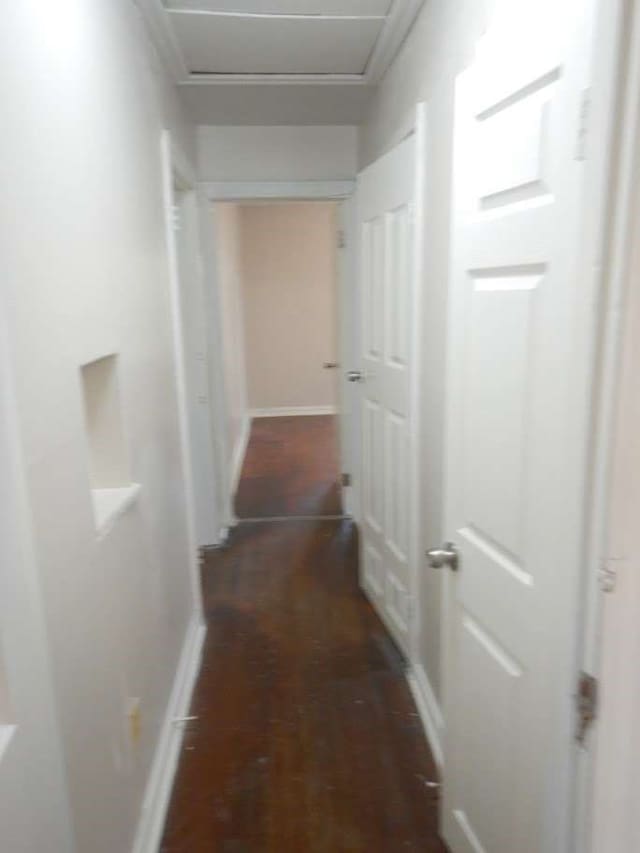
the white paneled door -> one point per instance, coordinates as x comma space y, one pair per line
517, 429
385, 222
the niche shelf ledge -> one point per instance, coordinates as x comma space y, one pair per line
109, 504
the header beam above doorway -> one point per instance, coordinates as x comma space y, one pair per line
280, 190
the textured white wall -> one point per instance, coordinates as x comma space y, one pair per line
280, 153
84, 107
440, 45
289, 295
34, 809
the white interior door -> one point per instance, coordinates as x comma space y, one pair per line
385, 223
517, 428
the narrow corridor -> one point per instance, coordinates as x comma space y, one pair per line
307, 739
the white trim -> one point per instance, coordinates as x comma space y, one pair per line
291, 411
109, 504
215, 356
617, 211
163, 37
269, 16
254, 191
429, 710
202, 78
282, 190
174, 163
348, 338
165, 762
399, 22
239, 452
415, 386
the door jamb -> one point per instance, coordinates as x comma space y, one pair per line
275, 191
175, 164
619, 206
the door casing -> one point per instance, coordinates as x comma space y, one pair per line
609, 615
251, 191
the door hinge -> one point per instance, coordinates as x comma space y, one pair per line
345, 479
341, 240
586, 705
583, 125
176, 221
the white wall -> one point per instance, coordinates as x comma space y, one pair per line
285, 153
439, 46
289, 297
34, 808
226, 226
84, 106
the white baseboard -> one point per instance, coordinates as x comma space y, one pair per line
421, 690
237, 458
165, 762
429, 711
289, 411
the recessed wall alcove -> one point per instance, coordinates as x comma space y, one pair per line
112, 490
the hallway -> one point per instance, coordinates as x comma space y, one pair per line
306, 738
291, 468
319, 426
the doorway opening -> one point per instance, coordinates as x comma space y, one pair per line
277, 274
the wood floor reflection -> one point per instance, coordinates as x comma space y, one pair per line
291, 468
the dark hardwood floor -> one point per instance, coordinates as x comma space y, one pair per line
291, 468
307, 738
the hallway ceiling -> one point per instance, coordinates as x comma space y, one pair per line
279, 61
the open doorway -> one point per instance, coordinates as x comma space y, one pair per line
277, 272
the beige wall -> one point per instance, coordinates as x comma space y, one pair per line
289, 288
440, 45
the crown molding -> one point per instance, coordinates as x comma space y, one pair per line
161, 32
213, 79
399, 21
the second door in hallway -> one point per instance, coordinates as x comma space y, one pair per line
385, 221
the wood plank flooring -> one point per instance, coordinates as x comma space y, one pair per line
307, 739
291, 468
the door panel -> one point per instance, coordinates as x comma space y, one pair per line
514, 421
385, 198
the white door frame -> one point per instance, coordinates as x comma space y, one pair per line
606, 626
276, 191
175, 165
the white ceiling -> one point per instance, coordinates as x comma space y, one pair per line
236, 61
273, 105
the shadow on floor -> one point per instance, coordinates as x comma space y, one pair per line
307, 738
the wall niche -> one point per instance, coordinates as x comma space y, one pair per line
112, 490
